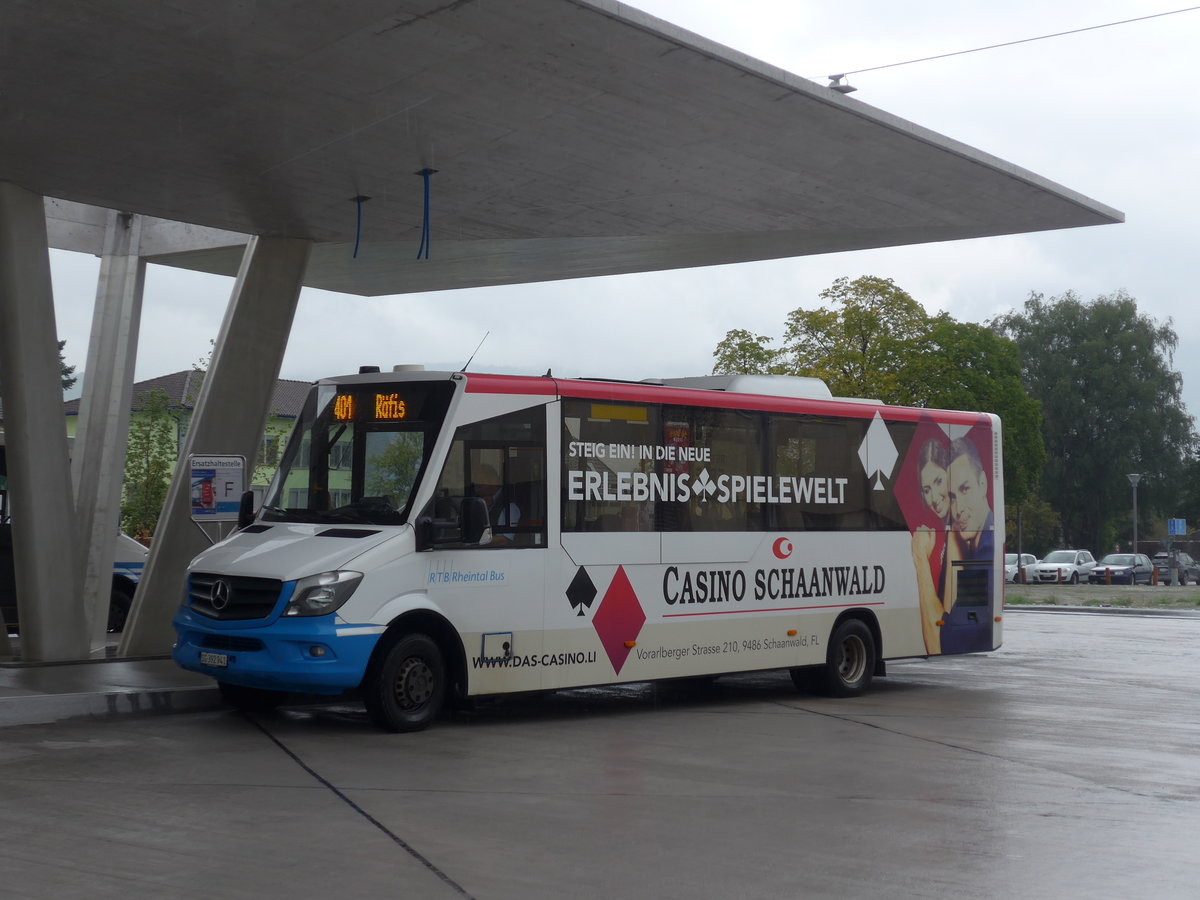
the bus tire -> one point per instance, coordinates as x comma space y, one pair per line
849, 662
249, 699
405, 685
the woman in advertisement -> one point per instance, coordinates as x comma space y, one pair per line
934, 546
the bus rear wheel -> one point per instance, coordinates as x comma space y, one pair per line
849, 662
405, 685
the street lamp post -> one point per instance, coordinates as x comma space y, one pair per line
1133, 480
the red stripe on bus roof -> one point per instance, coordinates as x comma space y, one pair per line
630, 392
510, 384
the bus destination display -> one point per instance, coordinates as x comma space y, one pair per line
389, 407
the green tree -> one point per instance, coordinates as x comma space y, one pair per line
149, 460
1033, 525
860, 346
391, 469
877, 341
68, 372
1187, 503
744, 353
1112, 406
961, 365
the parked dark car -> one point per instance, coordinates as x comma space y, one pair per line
1122, 568
1181, 571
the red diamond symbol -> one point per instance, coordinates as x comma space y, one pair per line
619, 619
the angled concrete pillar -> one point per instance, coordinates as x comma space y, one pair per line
98, 461
229, 419
48, 570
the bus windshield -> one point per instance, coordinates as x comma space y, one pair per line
357, 453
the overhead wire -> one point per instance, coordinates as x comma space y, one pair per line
1042, 37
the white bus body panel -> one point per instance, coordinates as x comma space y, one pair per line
290, 551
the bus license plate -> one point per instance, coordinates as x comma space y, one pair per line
216, 660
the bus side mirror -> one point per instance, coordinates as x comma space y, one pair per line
246, 510
468, 524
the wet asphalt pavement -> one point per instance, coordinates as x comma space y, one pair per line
1063, 766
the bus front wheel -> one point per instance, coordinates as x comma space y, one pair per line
406, 684
849, 662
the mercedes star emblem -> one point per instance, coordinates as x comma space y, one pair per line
222, 593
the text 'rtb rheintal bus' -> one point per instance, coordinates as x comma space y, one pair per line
432, 535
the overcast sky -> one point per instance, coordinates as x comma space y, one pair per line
1110, 113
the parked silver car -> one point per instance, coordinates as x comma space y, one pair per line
1064, 567
1013, 566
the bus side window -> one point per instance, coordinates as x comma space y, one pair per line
503, 462
606, 445
793, 455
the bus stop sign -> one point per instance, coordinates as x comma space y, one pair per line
217, 486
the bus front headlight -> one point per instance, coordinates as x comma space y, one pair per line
317, 595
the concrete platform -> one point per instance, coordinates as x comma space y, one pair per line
38, 693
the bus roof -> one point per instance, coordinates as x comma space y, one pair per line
768, 393
777, 393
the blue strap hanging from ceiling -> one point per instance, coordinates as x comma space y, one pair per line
424, 248
359, 201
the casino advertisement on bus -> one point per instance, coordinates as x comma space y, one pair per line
790, 513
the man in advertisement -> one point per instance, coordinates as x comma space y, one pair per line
966, 626
970, 511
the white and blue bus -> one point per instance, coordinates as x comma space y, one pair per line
438, 535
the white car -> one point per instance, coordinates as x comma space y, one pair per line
1063, 567
1012, 566
129, 558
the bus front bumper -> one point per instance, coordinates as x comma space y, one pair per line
317, 655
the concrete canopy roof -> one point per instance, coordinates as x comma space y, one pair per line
570, 137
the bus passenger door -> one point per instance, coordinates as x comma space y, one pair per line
491, 586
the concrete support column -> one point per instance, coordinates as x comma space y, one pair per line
229, 418
98, 461
48, 569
